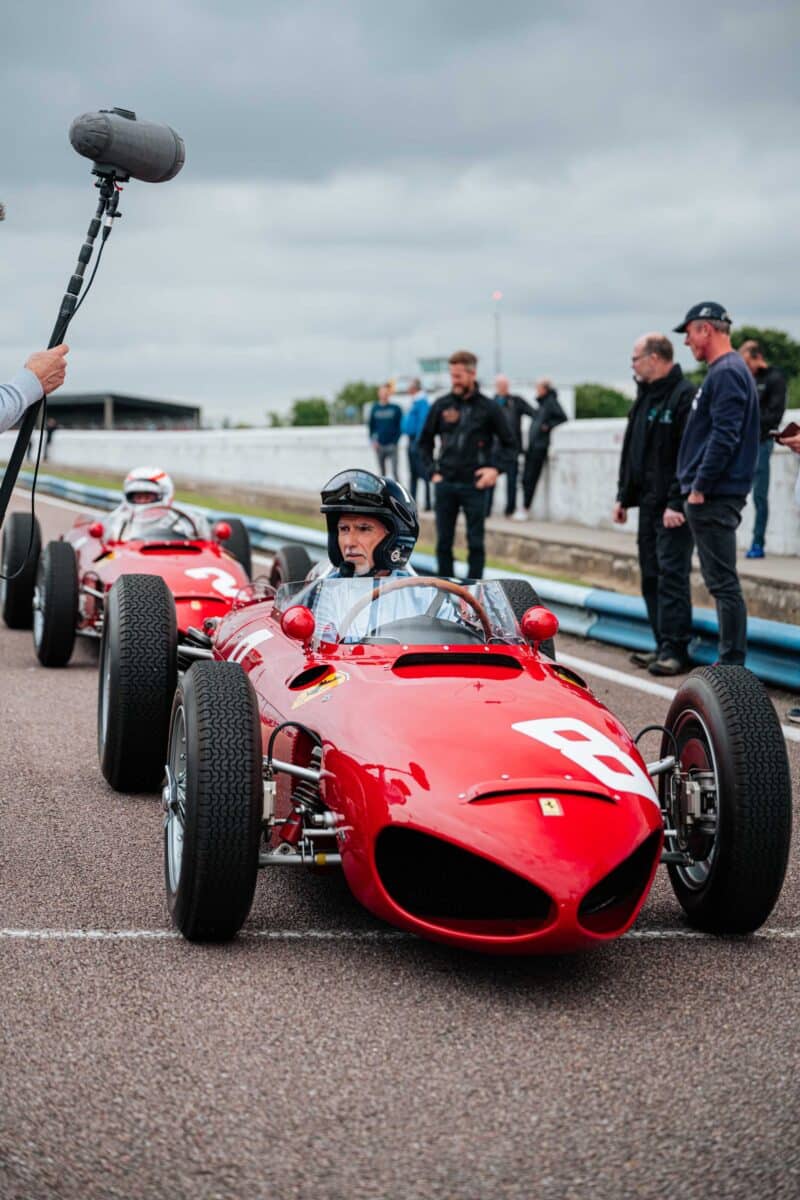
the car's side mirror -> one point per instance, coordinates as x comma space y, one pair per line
538, 624
222, 531
298, 623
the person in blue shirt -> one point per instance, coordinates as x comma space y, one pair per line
716, 465
385, 422
413, 424
43, 373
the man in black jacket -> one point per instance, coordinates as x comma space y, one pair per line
647, 480
549, 413
475, 445
515, 407
771, 388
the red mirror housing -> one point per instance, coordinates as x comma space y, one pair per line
298, 623
96, 529
538, 624
222, 531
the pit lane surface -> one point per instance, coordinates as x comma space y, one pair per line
323, 1055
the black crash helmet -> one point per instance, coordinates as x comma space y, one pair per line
359, 491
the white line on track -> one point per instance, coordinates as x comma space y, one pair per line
333, 935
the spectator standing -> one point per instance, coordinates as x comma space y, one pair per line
385, 422
50, 429
771, 388
647, 480
716, 464
515, 407
549, 413
475, 444
43, 373
413, 424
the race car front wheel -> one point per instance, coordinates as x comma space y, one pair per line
291, 563
732, 812
138, 673
55, 605
213, 799
22, 544
238, 544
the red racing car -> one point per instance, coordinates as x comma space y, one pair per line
63, 590
473, 790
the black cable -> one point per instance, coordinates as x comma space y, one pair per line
310, 733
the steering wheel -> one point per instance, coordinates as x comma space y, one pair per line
396, 585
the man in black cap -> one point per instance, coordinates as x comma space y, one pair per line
716, 464
647, 480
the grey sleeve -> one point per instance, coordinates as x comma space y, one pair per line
18, 395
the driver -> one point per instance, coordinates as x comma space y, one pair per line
143, 487
372, 524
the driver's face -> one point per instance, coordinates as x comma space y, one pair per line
358, 537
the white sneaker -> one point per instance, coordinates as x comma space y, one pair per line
520, 515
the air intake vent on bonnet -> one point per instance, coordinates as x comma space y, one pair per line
433, 879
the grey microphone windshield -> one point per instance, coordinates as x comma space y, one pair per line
152, 153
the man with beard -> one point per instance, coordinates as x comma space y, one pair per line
647, 480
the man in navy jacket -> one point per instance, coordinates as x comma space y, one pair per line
716, 464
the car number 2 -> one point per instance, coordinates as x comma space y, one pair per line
223, 582
592, 750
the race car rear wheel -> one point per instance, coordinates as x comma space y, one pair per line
291, 563
521, 596
22, 545
138, 673
730, 745
55, 604
213, 799
238, 544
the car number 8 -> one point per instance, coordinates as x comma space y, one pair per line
592, 750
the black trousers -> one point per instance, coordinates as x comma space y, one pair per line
534, 461
713, 525
665, 563
511, 491
416, 473
449, 499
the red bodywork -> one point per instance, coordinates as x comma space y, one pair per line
202, 576
451, 822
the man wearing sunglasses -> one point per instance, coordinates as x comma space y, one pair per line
475, 444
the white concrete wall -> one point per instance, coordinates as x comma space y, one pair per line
578, 485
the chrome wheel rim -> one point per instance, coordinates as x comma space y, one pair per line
174, 799
39, 601
697, 755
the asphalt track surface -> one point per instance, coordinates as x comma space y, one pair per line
321, 1054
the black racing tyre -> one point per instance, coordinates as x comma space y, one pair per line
55, 604
138, 674
19, 547
728, 736
213, 799
238, 544
290, 564
522, 596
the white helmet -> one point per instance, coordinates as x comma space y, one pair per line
148, 485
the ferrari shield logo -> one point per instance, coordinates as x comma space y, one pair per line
550, 806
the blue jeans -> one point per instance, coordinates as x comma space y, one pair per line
714, 526
449, 498
761, 491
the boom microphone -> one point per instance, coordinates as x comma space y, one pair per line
118, 143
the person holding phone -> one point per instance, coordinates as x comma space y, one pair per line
790, 437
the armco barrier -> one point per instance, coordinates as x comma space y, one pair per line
773, 647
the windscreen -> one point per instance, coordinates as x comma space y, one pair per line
405, 610
162, 523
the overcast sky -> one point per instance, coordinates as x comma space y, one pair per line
361, 176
